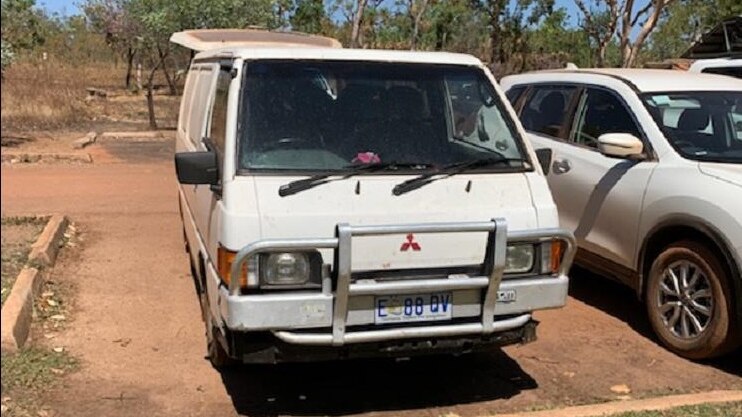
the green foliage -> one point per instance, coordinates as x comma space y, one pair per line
684, 22
309, 16
8, 56
554, 37
22, 24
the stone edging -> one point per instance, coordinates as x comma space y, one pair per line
646, 404
17, 312
24, 157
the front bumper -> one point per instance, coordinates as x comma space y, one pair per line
343, 315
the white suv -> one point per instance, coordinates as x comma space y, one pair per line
646, 172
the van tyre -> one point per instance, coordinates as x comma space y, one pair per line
689, 301
218, 357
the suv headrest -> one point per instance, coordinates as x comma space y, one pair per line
693, 119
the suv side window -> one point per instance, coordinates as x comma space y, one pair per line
218, 121
547, 110
600, 112
514, 93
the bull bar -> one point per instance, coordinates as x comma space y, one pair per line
498, 239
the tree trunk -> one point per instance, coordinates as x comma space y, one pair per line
129, 65
150, 94
600, 55
355, 34
416, 18
139, 77
631, 51
163, 56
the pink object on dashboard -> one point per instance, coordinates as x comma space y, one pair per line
367, 158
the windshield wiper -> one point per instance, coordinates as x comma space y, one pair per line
301, 185
449, 171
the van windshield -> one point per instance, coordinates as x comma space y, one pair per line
327, 116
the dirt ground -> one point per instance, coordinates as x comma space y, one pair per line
135, 325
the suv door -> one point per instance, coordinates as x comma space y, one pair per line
599, 198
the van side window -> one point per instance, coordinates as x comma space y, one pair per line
546, 110
218, 123
185, 105
602, 112
202, 87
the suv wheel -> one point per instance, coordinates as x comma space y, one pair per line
688, 301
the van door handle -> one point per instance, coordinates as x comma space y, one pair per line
561, 167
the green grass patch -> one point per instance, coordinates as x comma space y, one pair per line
27, 375
731, 409
34, 369
18, 234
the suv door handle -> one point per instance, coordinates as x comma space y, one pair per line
561, 167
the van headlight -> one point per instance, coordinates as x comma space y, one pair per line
290, 269
519, 259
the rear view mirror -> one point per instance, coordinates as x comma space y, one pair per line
620, 145
544, 156
197, 167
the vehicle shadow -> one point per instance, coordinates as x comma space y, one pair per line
348, 387
622, 303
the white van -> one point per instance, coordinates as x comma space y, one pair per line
340, 203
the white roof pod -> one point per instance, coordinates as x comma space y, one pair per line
209, 39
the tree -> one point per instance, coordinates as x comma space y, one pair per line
456, 25
415, 11
609, 18
355, 33
556, 40
309, 16
22, 24
112, 19
507, 22
599, 24
683, 23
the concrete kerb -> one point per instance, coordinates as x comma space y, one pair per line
145, 134
86, 140
17, 312
647, 404
24, 157
44, 250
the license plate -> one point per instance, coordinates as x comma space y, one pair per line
413, 307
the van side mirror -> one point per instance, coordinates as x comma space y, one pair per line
620, 145
544, 156
197, 167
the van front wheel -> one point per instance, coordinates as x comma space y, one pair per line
218, 357
689, 302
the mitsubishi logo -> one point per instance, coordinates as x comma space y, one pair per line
410, 244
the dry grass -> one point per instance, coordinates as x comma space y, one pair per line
40, 94
51, 95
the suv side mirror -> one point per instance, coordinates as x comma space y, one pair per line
544, 156
620, 145
197, 167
